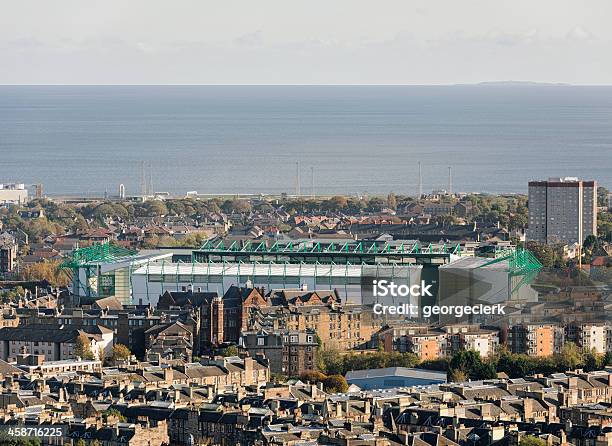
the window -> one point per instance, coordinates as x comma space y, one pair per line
260, 341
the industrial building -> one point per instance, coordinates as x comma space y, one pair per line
392, 377
13, 194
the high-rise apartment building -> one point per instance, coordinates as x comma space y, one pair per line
8, 253
562, 210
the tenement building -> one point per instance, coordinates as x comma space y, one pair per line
288, 352
225, 318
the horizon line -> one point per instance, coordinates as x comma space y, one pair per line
460, 84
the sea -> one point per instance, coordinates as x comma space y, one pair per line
311, 140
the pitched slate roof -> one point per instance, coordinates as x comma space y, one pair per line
38, 333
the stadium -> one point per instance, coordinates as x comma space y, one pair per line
104, 270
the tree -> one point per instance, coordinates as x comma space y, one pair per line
544, 253
313, 377
329, 361
121, 352
530, 440
335, 203
78, 224
602, 196
604, 226
376, 204
5, 440
49, 270
590, 245
457, 376
82, 347
104, 210
471, 365
265, 207
237, 206
112, 412
335, 384
593, 361
391, 201
570, 357
155, 208
232, 350
102, 356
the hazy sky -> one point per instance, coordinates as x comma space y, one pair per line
304, 42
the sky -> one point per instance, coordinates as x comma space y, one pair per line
305, 42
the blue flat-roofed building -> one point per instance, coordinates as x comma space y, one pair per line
394, 377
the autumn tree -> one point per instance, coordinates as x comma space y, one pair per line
49, 270
121, 352
312, 377
82, 347
335, 384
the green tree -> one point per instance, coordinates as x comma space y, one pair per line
469, 363
278, 378
570, 357
237, 206
530, 440
104, 210
593, 361
155, 208
336, 203
604, 226
5, 440
112, 412
602, 196
335, 384
329, 361
544, 253
376, 204
232, 350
